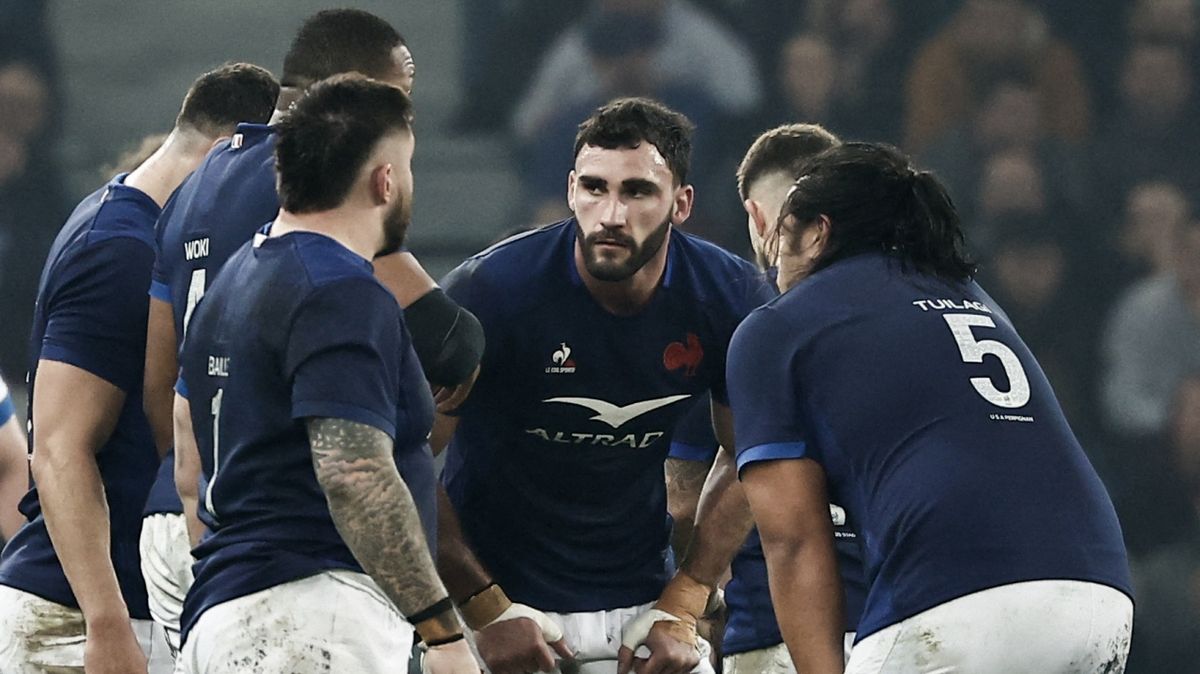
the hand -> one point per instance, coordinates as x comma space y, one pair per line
112, 648
448, 398
518, 645
452, 658
670, 651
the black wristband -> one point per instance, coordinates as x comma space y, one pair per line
447, 640
431, 612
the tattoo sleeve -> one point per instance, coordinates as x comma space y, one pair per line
374, 511
685, 479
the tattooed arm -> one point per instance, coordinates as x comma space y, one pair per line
684, 482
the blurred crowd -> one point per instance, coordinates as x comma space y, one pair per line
1065, 131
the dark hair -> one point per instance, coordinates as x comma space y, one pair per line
336, 41
782, 149
627, 122
235, 92
877, 202
328, 135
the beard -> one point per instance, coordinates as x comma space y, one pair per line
601, 265
395, 226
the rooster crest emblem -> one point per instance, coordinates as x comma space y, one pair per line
562, 354
686, 355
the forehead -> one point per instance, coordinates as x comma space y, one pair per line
402, 56
624, 163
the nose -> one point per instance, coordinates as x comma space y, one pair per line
614, 213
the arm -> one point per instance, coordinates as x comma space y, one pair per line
14, 476
792, 511
75, 413
684, 481
162, 368
187, 469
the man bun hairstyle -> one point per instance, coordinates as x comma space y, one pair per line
336, 41
329, 135
628, 122
782, 149
219, 99
876, 201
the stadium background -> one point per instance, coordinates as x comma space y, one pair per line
1067, 131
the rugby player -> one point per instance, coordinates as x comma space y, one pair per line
14, 465
219, 208
71, 590
885, 372
299, 385
600, 330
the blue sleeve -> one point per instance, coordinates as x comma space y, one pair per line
764, 394
343, 355
755, 290
96, 317
160, 279
465, 286
6, 404
694, 439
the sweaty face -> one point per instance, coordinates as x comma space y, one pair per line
625, 201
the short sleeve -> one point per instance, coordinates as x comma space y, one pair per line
693, 439
763, 393
466, 286
6, 404
343, 355
96, 316
160, 279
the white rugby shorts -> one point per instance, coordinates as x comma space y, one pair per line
773, 660
167, 567
1044, 626
37, 635
335, 621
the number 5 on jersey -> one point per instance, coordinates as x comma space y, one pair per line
973, 350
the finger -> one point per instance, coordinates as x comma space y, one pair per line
563, 649
624, 660
543, 658
454, 397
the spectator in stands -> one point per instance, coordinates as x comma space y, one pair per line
984, 41
1153, 339
1167, 578
1153, 133
1142, 244
695, 51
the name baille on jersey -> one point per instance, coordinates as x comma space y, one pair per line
559, 450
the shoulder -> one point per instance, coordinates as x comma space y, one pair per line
516, 266
716, 277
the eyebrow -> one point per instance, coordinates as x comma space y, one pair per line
630, 185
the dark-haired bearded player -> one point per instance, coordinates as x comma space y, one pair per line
600, 329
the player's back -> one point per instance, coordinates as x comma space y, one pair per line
216, 210
942, 437
264, 320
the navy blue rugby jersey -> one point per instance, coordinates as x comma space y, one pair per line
556, 468
216, 210
91, 313
294, 327
938, 431
751, 623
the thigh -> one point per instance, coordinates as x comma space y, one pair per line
166, 562
37, 635
331, 622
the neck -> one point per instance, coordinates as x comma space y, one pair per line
164, 170
354, 231
631, 295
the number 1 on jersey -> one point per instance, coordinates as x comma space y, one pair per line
973, 350
216, 440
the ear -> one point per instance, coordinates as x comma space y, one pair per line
754, 210
381, 184
571, 190
681, 208
821, 231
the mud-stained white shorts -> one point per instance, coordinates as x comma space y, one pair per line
773, 660
596, 638
335, 621
167, 567
38, 636
1045, 626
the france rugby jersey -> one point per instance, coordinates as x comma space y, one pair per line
216, 210
91, 313
293, 328
937, 429
557, 465
750, 624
